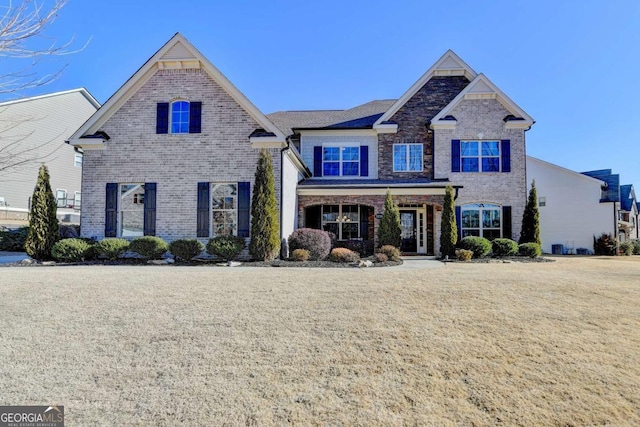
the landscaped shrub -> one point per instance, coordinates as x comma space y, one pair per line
185, 249
504, 247
478, 245
317, 242
13, 240
226, 247
464, 254
389, 228
626, 248
343, 255
150, 247
636, 247
605, 244
380, 257
391, 252
532, 250
265, 224
300, 255
363, 247
111, 247
69, 231
449, 228
92, 252
43, 223
69, 250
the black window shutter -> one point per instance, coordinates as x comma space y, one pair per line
244, 200
506, 155
162, 118
317, 161
459, 221
364, 222
364, 160
150, 209
506, 222
203, 210
455, 155
111, 210
195, 117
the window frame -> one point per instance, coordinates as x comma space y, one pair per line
481, 208
341, 161
407, 156
121, 211
480, 157
77, 163
182, 129
212, 210
58, 199
77, 200
344, 217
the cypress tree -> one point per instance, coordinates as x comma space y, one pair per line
389, 230
265, 228
448, 229
43, 223
530, 232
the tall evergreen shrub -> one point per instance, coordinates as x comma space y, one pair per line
265, 227
448, 229
43, 224
531, 219
389, 230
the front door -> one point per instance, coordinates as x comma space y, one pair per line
408, 227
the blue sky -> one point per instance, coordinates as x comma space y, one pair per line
572, 65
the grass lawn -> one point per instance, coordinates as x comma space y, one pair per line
468, 344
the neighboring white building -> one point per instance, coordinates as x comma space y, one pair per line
32, 132
572, 207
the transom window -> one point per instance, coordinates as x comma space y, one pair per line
341, 161
131, 210
224, 209
341, 220
180, 117
407, 157
481, 220
480, 154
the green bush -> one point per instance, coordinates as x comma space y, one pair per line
69, 250
532, 250
69, 231
300, 255
504, 247
478, 245
150, 247
265, 222
391, 252
43, 223
626, 248
636, 247
13, 240
449, 228
185, 249
92, 252
111, 247
343, 255
380, 257
605, 244
226, 247
464, 254
317, 242
389, 228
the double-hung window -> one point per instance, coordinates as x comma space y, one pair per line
180, 117
407, 157
224, 208
131, 210
479, 156
77, 160
61, 198
481, 220
341, 161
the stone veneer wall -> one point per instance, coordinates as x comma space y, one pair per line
412, 119
136, 154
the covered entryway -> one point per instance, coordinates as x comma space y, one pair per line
417, 229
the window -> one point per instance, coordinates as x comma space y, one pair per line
480, 154
180, 117
407, 157
341, 161
61, 198
341, 220
131, 210
481, 220
77, 160
224, 209
542, 201
77, 200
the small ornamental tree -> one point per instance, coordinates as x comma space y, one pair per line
531, 219
265, 232
43, 223
389, 230
448, 229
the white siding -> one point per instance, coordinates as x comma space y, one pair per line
572, 214
307, 142
290, 177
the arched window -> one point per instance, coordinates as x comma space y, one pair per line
180, 117
481, 219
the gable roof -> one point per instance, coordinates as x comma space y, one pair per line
483, 88
360, 117
612, 192
178, 52
449, 64
570, 172
84, 92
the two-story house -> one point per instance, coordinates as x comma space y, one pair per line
173, 153
451, 127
